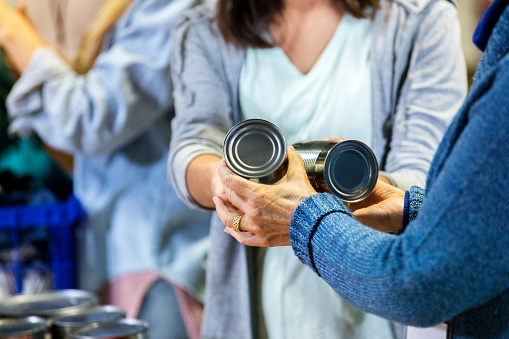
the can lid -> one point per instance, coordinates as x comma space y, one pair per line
123, 329
351, 170
255, 149
23, 326
98, 314
47, 304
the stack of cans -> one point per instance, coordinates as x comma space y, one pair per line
65, 314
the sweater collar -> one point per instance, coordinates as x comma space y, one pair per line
488, 22
494, 31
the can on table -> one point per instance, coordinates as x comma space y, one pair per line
48, 305
64, 325
256, 150
120, 329
345, 168
25, 328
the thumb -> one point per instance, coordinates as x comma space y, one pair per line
295, 163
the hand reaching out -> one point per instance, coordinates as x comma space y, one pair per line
267, 209
382, 209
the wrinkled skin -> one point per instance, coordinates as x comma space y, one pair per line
267, 209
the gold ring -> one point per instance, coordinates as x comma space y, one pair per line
236, 223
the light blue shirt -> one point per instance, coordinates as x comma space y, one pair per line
332, 99
116, 121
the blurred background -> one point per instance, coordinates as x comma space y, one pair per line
470, 12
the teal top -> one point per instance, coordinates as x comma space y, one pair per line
24, 157
332, 99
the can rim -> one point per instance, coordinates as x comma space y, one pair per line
258, 128
141, 327
42, 325
66, 320
18, 305
369, 157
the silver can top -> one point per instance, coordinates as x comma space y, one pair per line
23, 326
48, 304
256, 149
351, 170
98, 314
120, 329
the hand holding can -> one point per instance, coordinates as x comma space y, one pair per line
256, 149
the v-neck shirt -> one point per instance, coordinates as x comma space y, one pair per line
333, 99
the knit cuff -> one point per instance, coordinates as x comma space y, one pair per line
305, 221
413, 201
406, 212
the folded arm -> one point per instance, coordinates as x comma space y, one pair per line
128, 88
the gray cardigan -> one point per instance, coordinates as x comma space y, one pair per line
206, 69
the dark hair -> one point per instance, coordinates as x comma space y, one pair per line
243, 22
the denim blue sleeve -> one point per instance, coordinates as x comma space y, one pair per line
128, 88
452, 257
413, 201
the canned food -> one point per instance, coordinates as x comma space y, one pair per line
347, 168
256, 149
64, 325
25, 328
50, 304
120, 329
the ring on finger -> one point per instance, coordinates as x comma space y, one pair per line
236, 223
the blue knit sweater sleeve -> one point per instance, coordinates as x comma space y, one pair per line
414, 198
453, 256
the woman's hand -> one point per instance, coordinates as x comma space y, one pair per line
382, 209
267, 209
17, 37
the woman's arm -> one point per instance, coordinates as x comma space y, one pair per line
128, 88
202, 117
433, 91
17, 37
202, 180
451, 258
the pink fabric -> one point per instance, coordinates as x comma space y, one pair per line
127, 292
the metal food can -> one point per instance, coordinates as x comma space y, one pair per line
120, 329
346, 168
64, 325
25, 328
50, 304
256, 150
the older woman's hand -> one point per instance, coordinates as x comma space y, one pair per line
382, 209
263, 212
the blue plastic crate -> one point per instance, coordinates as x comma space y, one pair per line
55, 223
